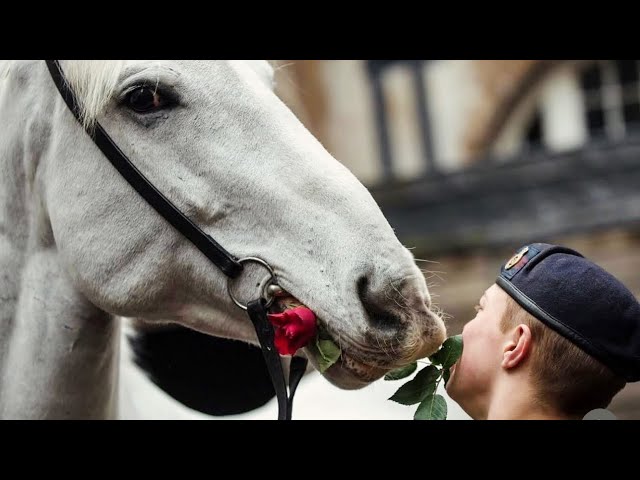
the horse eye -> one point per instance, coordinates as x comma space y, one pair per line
144, 100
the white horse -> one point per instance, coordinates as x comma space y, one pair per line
79, 248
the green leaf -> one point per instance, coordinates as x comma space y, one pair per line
449, 353
329, 353
434, 407
447, 374
417, 389
400, 373
322, 333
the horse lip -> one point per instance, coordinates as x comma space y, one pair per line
351, 365
350, 373
283, 300
373, 371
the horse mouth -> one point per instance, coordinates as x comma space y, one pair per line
348, 372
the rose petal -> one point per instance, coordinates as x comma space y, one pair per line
294, 328
279, 319
283, 344
306, 316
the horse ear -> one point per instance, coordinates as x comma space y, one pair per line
215, 376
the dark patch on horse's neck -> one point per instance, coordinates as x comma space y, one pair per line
212, 375
14, 214
27, 121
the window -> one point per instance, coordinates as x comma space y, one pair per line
612, 98
533, 136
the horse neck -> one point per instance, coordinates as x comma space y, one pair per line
58, 352
13, 214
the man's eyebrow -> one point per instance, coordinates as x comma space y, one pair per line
484, 295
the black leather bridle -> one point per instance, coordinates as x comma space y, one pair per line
231, 266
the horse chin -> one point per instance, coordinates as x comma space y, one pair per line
347, 373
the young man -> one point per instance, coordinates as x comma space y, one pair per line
555, 337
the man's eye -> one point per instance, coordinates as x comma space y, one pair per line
478, 308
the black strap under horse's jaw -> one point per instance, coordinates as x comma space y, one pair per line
297, 367
227, 263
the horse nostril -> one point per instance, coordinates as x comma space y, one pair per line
380, 307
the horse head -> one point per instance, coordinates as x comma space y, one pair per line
215, 139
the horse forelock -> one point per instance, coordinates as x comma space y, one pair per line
94, 82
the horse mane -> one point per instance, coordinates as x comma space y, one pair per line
94, 82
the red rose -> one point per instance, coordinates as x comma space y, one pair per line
294, 328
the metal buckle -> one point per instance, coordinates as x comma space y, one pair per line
267, 286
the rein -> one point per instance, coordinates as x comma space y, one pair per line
231, 266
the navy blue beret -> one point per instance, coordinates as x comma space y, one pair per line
579, 300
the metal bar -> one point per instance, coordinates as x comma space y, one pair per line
534, 198
424, 118
375, 74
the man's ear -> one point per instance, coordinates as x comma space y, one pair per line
517, 347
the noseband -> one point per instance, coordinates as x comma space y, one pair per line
231, 266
